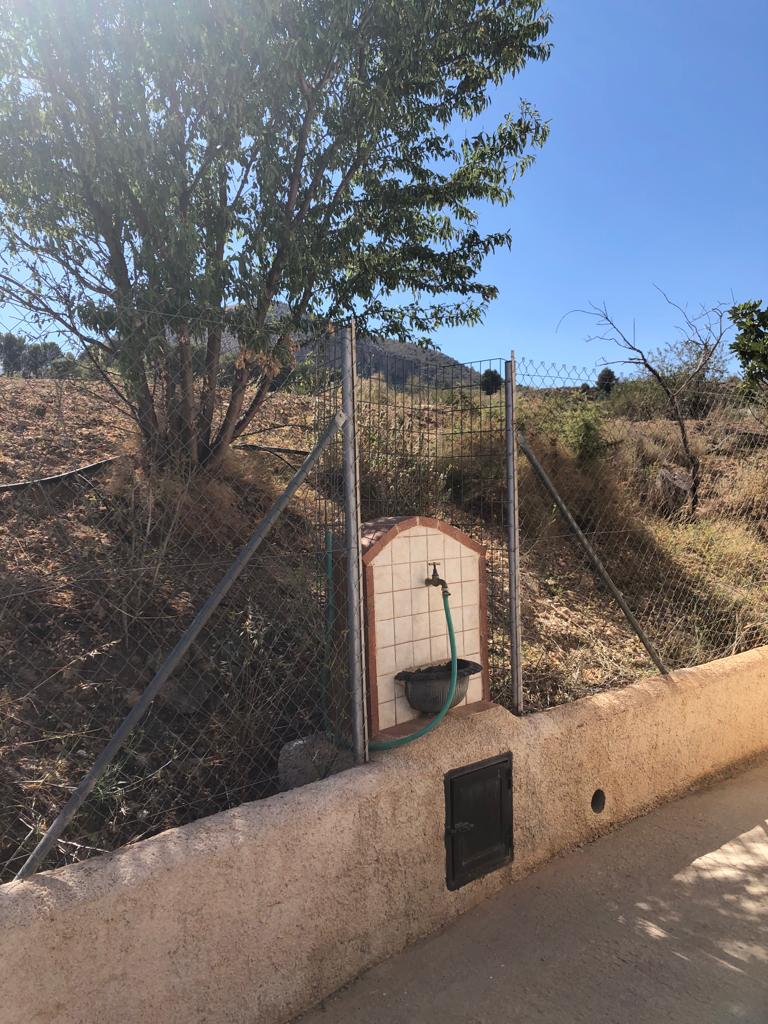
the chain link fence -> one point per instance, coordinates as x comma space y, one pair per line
678, 523
675, 508
432, 437
105, 569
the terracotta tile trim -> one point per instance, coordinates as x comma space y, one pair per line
406, 728
484, 628
400, 525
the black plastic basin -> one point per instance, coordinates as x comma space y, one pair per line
427, 688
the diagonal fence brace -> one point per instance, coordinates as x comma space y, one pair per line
591, 554
172, 661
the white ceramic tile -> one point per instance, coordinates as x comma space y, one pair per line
470, 615
399, 688
416, 531
471, 639
401, 600
475, 689
387, 715
419, 600
385, 633
403, 711
419, 575
452, 571
382, 579
385, 660
418, 549
404, 655
401, 550
421, 626
439, 648
386, 687
385, 608
457, 614
452, 548
402, 576
384, 557
403, 629
436, 598
422, 653
470, 568
470, 593
435, 546
437, 624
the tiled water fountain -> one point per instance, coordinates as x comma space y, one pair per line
405, 621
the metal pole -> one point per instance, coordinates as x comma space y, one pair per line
592, 555
352, 545
172, 661
513, 534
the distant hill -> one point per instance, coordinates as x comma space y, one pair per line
397, 363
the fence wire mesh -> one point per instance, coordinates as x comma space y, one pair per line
675, 508
103, 570
102, 573
685, 541
432, 442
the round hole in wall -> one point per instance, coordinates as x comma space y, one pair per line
598, 801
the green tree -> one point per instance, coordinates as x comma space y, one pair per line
38, 358
66, 367
750, 345
606, 380
11, 353
491, 381
171, 172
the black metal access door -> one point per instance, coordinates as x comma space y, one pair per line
478, 819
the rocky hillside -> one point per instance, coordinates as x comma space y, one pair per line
395, 362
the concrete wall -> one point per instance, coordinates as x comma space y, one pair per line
255, 914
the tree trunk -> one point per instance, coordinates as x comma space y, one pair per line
187, 403
208, 396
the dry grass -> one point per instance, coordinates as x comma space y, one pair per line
101, 576
48, 427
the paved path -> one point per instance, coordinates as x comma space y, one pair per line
663, 922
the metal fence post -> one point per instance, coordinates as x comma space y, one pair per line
513, 533
355, 616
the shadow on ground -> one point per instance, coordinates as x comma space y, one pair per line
664, 920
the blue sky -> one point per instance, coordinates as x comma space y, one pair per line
655, 173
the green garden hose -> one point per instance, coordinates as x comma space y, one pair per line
330, 618
402, 740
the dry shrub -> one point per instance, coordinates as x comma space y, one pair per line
744, 492
109, 573
213, 511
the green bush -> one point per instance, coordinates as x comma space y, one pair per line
639, 399
581, 431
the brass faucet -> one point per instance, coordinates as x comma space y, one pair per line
435, 580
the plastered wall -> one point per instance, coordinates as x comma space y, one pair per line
257, 913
